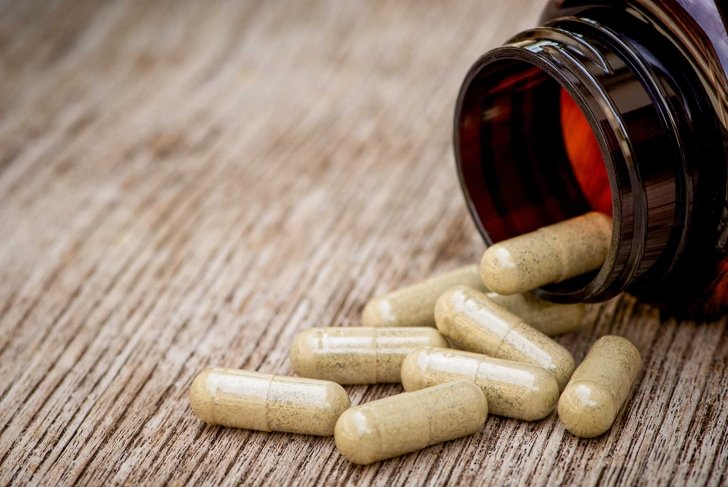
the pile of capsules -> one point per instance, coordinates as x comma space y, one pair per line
463, 345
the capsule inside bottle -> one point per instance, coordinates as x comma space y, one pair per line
548, 255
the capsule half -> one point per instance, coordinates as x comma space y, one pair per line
414, 305
548, 318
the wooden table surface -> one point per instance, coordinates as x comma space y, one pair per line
187, 184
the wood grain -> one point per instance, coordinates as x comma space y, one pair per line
185, 184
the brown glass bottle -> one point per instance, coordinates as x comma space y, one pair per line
618, 106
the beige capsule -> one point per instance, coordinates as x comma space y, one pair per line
599, 387
266, 402
550, 254
358, 354
512, 389
548, 318
410, 421
414, 305
474, 323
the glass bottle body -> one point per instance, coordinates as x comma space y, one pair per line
619, 106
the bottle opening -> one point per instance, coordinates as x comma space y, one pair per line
577, 116
527, 154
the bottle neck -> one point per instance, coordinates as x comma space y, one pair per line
515, 156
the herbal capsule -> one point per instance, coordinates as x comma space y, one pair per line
599, 387
548, 318
512, 389
550, 254
266, 402
414, 305
358, 354
411, 421
475, 323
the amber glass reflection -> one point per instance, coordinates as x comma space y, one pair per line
584, 155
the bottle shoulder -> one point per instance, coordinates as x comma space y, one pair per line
701, 25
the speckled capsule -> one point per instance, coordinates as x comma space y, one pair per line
550, 254
599, 387
548, 318
474, 323
512, 389
357, 354
414, 305
410, 421
266, 402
